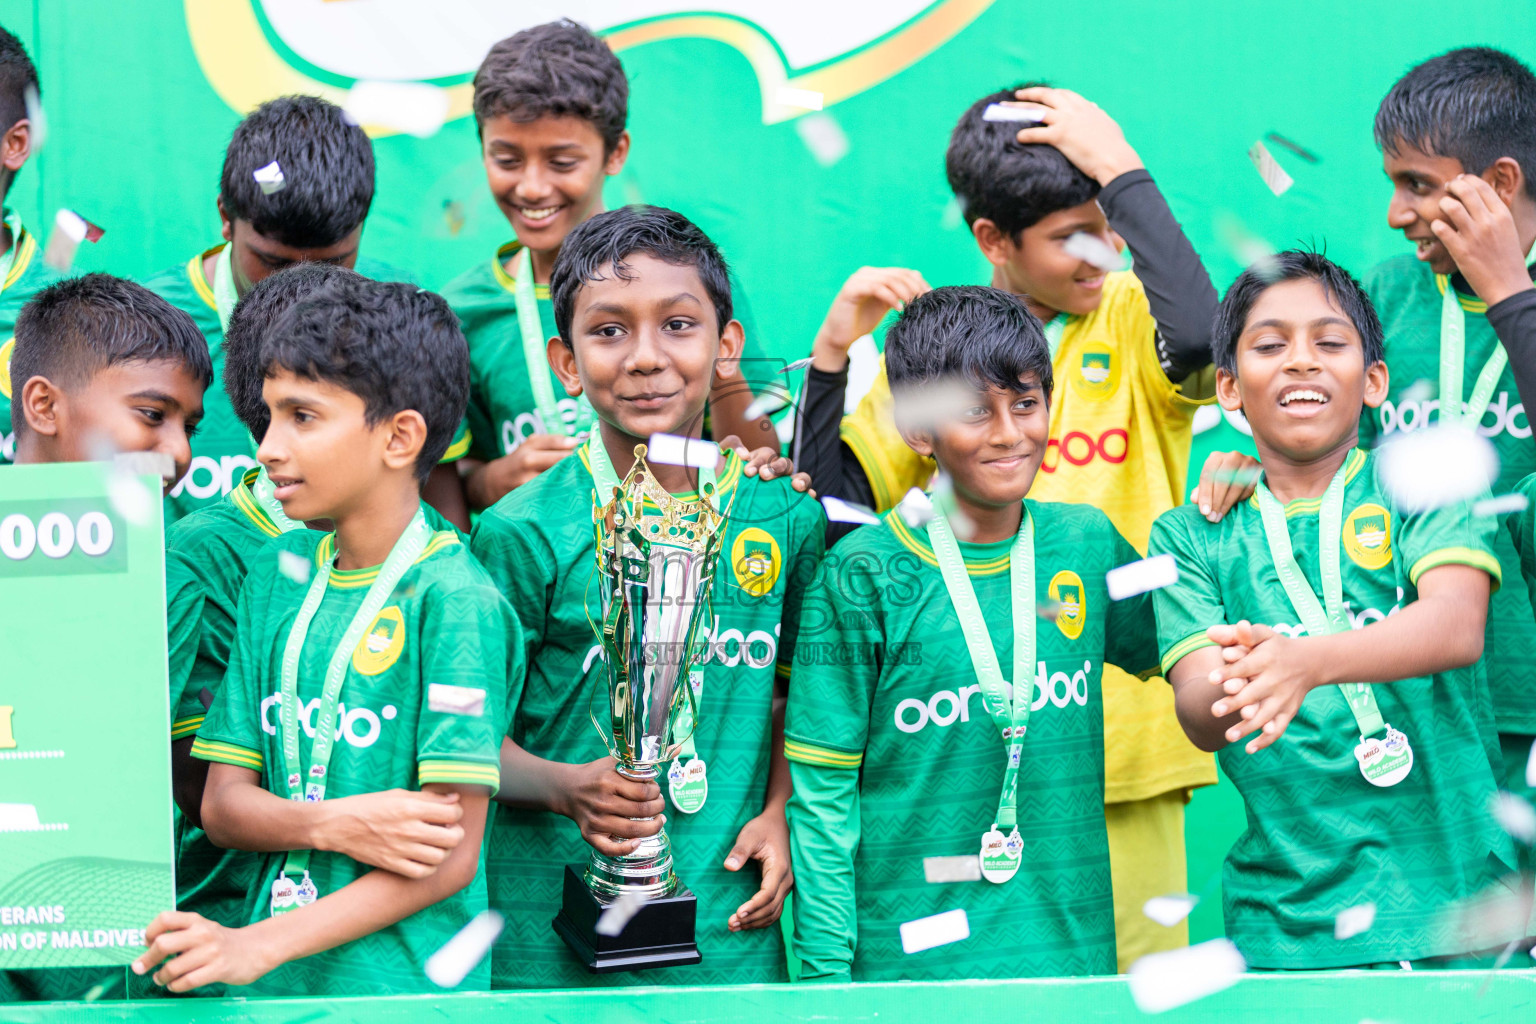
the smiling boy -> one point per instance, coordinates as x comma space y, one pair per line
551, 104
377, 657
920, 650
642, 304
1288, 607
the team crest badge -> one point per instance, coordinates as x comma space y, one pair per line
1368, 536
1066, 590
1096, 375
381, 644
5, 371
756, 561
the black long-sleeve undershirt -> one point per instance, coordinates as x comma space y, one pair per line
1179, 293
1514, 321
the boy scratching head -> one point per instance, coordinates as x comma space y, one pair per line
1469, 113
550, 105
642, 303
17, 75
365, 384
1023, 202
105, 365
327, 187
244, 373
985, 341
1298, 348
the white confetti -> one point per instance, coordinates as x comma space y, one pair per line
1083, 246
1251, 251
270, 178
1516, 816
824, 137
452, 963
925, 407
1170, 910
1502, 505
916, 509
69, 230
940, 870
1354, 921
295, 566
675, 450
1269, 169
414, 108
937, 930
1162, 981
1021, 113
617, 914
129, 498
944, 495
447, 699
840, 511
805, 99
156, 464
37, 117
1134, 578
798, 364
773, 398
1420, 391
1436, 466
1530, 767
1499, 913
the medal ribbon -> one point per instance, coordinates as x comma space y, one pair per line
1009, 714
1453, 344
13, 225
224, 297
405, 552
1329, 616
262, 491
536, 355
606, 479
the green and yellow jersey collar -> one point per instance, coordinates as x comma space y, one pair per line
980, 559
728, 478
25, 246
347, 579
199, 280
244, 500
1354, 462
507, 281
1470, 303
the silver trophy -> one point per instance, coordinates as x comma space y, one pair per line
656, 557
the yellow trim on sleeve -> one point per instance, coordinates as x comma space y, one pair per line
184, 727
1184, 648
782, 670
1458, 556
809, 753
227, 753
468, 773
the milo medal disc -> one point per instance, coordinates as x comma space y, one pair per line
285, 895
1386, 761
1000, 855
688, 785
306, 893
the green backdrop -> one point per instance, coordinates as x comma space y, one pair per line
137, 134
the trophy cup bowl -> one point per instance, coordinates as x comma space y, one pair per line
656, 556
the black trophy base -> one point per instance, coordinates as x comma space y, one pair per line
659, 935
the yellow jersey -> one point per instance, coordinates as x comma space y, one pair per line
1119, 440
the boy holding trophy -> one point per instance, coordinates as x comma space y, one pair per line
642, 303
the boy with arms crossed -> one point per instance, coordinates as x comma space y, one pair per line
22, 271
208, 555
326, 165
642, 303
1129, 351
376, 657
1377, 793
893, 735
550, 103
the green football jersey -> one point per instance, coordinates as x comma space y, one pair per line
885, 687
1320, 838
444, 626
502, 411
28, 276
1407, 295
222, 449
537, 543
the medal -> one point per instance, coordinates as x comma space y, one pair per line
1385, 761
1000, 854
286, 894
688, 785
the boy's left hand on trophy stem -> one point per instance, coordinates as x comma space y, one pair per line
765, 838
